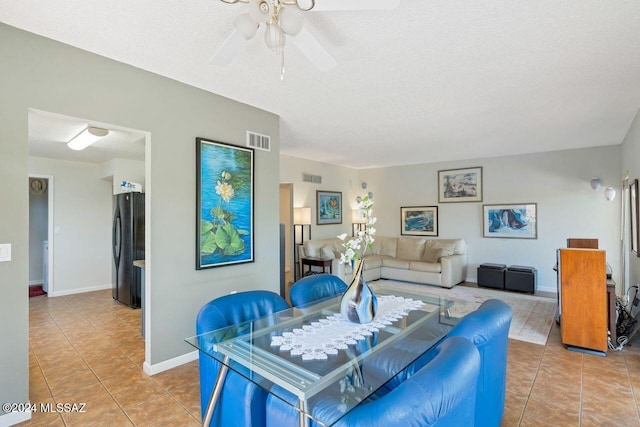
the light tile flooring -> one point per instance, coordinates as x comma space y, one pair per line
87, 348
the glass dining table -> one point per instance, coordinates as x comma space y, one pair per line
318, 365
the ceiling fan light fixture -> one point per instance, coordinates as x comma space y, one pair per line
86, 138
274, 38
246, 25
290, 20
261, 10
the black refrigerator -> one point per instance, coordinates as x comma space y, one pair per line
128, 246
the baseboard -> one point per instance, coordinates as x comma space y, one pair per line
552, 289
169, 364
80, 290
13, 418
35, 282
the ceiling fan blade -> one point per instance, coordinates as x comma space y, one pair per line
327, 5
229, 49
313, 50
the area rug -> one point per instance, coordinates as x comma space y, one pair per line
533, 316
36, 291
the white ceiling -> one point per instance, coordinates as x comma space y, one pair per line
429, 81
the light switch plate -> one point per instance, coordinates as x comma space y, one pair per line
5, 252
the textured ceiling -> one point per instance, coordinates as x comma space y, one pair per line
428, 81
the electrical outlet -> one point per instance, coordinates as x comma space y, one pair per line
636, 300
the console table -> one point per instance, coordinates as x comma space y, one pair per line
316, 262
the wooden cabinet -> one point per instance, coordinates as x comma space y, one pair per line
583, 298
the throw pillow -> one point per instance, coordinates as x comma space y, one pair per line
433, 255
327, 252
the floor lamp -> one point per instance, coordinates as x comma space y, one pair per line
301, 220
358, 223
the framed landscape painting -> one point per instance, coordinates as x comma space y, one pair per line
224, 204
419, 221
515, 221
328, 207
460, 185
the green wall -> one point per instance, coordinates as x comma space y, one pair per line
46, 75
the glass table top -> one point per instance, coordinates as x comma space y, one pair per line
313, 359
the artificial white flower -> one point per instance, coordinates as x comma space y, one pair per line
362, 238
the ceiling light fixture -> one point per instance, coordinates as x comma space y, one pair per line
281, 19
86, 138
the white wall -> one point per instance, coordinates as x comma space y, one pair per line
38, 218
82, 225
46, 75
631, 163
557, 181
123, 170
334, 178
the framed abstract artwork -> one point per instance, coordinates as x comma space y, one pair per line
633, 204
514, 221
224, 204
328, 207
460, 185
419, 221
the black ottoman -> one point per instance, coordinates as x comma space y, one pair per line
521, 278
491, 275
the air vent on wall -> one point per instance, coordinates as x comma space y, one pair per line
316, 179
258, 141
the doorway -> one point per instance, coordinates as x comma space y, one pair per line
286, 215
40, 235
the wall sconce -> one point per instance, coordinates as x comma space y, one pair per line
358, 223
86, 138
609, 192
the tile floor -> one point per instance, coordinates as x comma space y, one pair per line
87, 348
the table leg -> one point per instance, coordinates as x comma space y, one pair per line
303, 421
215, 393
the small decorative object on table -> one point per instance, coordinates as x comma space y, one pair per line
359, 303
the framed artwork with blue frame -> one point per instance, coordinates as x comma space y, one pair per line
419, 221
328, 207
224, 204
511, 221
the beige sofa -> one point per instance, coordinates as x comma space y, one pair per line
441, 262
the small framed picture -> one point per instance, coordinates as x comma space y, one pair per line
512, 221
328, 207
460, 185
419, 221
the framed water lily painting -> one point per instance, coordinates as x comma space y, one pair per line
224, 204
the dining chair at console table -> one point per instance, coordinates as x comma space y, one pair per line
243, 402
442, 393
314, 288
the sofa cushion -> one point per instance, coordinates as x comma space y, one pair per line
395, 263
410, 248
385, 246
428, 267
457, 245
372, 261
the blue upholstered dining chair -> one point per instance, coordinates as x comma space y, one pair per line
442, 393
488, 329
314, 288
241, 402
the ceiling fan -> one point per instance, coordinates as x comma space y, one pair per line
283, 22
